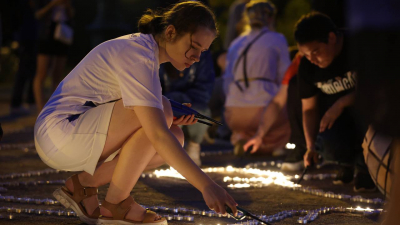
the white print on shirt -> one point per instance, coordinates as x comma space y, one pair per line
339, 84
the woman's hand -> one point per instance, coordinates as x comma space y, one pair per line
255, 142
185, 120
216, 198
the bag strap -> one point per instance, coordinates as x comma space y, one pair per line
244, 56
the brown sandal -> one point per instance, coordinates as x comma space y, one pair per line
74, 200
120, 210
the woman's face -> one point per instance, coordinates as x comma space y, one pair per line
186, 50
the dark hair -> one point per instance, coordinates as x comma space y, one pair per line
186, 17
314, 26
257, 12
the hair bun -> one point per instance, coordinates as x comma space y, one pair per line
150, 23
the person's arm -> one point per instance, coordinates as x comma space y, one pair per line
270, 114
335, 110
69, 9
167, 146
310, 127
42, 12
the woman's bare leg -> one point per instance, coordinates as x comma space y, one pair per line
41, 72
116, 169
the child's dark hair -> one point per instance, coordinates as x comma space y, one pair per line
186, 17
314, 26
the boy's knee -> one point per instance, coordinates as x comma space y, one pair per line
168, 111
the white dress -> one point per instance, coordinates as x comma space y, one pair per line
71, 130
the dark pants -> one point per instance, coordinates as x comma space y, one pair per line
26, 73
341, 143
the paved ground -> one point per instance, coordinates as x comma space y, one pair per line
168, 192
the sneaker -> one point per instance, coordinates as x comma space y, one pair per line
193, 150
294, 161
279, 152
344, 176
238, 149
364, 183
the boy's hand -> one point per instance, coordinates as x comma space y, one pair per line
255, 142
330, 117
310, 158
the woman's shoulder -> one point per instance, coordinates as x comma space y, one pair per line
135, 45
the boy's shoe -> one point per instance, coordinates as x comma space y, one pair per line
344, 176
294, 161
238, 149
364, 183
279, 152
193, 150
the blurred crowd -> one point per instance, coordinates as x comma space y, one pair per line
332, 96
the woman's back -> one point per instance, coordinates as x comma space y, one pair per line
266, 62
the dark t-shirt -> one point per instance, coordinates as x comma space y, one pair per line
331, 83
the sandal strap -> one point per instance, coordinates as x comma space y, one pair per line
119, 210
96, 213
81, 192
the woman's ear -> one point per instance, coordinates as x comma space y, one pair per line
170, 33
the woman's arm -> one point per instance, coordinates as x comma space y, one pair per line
69, 9
42, 12
270, 114
167, 146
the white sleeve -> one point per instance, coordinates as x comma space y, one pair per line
138, 78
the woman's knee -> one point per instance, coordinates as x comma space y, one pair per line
169, 116
177, 131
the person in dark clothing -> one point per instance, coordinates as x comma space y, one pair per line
326, 83
193, 85
26, 36
375, 52
53, 16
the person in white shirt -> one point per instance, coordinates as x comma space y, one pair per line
108, 119
256, 63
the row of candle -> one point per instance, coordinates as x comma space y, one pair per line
26, 200
310, 215
11, 212
262, 182
13, 146
265, 178
29, 174
30, 183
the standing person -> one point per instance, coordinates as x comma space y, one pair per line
193, 85
327, 90
112, 100
51, 14
26, 36
256, 64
